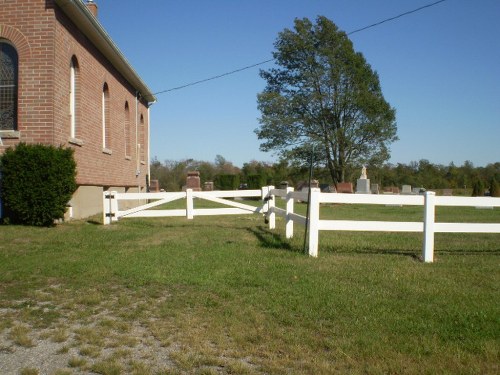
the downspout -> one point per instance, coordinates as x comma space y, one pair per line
137, 144
148, 164
148, 153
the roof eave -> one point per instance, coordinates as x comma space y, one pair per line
78, 12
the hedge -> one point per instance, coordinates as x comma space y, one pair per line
227, 182
37, 183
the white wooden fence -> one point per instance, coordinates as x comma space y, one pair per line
268, 194
112, 211
428, 225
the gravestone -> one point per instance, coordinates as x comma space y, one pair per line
391, 190
303, 185
193, 181
154, 186
406, 189
345, 187
363, 183
374, 189
326, 188
208, 186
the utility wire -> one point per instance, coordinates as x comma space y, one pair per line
269, 60
396, 17
215, 77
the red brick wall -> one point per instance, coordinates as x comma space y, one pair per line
46, 40
30, 27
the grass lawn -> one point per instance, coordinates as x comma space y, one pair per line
224, 295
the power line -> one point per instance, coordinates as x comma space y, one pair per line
396, 17
269, 60
214, 77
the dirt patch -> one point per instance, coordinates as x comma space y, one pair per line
61, 333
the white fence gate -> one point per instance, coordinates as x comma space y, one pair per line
112, 212
428, 225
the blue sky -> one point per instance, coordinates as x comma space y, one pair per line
439, 68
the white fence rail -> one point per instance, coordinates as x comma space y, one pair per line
112, 211
428, 225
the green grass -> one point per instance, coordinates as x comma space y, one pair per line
226, 295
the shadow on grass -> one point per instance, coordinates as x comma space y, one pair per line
407, 253
271, 240
416, 255
468, 252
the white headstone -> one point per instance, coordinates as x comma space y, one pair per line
406, 189
363, 183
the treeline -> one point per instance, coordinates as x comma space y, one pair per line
437, 176
172, 174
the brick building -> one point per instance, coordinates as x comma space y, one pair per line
63, 81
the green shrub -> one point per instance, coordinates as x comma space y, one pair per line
37, 183
477, 188
256, 181
227, 182
494, 188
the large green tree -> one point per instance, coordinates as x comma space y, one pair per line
324, 94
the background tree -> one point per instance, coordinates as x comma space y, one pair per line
494, 188
172, 174
422, 173
223, 166
477, 188
324, 94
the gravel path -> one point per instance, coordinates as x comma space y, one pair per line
76, 341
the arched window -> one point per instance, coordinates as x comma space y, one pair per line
106, 136
126, 124
8, 86
73, 96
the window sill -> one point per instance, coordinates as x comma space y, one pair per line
10, 134
143, 162
107, 151
128, 158
76, 142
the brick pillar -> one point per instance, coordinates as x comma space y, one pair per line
193, 181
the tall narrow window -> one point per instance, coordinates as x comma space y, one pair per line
73, 89
8, 86
126, 124
106, 126
141, 137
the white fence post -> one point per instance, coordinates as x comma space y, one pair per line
313, 222
189, 204
271, 216
114, 206
429, 220
289, 210
110, 207
264, 193
106, 208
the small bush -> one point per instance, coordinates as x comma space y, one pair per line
37, 183
478, 188
256, 181
227, 182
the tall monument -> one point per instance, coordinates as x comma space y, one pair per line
363, 183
